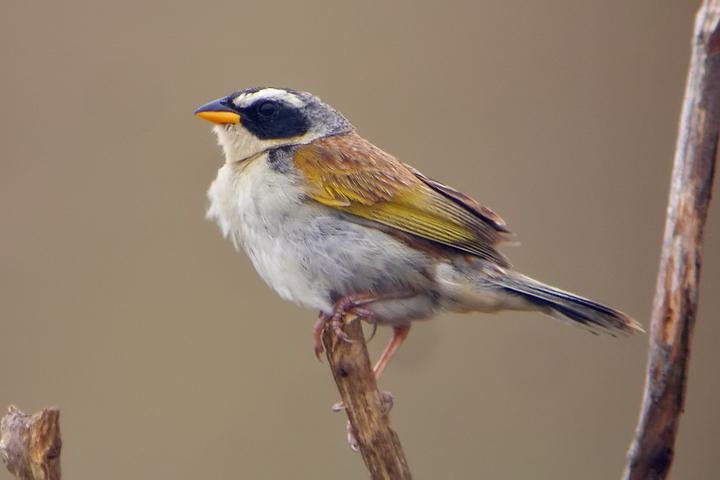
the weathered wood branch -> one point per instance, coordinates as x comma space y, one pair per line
30, 444
676, 295
378, 443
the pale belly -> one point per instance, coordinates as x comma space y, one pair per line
312, 255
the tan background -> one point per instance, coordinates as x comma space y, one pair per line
170, 359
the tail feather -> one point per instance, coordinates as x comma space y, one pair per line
560, 303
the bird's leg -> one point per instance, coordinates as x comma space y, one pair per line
400, 333
324, 320
349, 304
318, 330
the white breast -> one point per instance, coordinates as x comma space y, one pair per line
254, 205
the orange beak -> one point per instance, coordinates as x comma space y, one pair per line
219, 112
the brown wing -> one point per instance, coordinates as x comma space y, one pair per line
350, 174
464, 200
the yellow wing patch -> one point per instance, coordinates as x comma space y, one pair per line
350, 174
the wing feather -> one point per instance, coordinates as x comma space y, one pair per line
350, 174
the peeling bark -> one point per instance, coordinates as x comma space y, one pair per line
30, 444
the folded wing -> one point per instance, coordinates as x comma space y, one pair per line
350, 174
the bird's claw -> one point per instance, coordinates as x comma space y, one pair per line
346, 310
336, 323
388, 401
318, 330
351, 438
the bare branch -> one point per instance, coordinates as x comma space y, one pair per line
676, 296
30, 444
378, 443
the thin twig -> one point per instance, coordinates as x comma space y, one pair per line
30, 444
378, 443
676, 296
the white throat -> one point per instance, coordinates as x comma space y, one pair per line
238, 144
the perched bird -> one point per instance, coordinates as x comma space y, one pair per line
332, 222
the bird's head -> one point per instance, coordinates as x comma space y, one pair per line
254, 120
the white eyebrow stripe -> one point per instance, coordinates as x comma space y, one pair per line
245, 99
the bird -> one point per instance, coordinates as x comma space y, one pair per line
332, 222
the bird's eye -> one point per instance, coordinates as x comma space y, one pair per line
267, 109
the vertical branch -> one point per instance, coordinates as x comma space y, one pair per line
30, 444
676, 296
378, 443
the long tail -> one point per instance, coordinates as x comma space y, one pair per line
560, 303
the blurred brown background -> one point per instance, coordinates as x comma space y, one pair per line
170, 359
